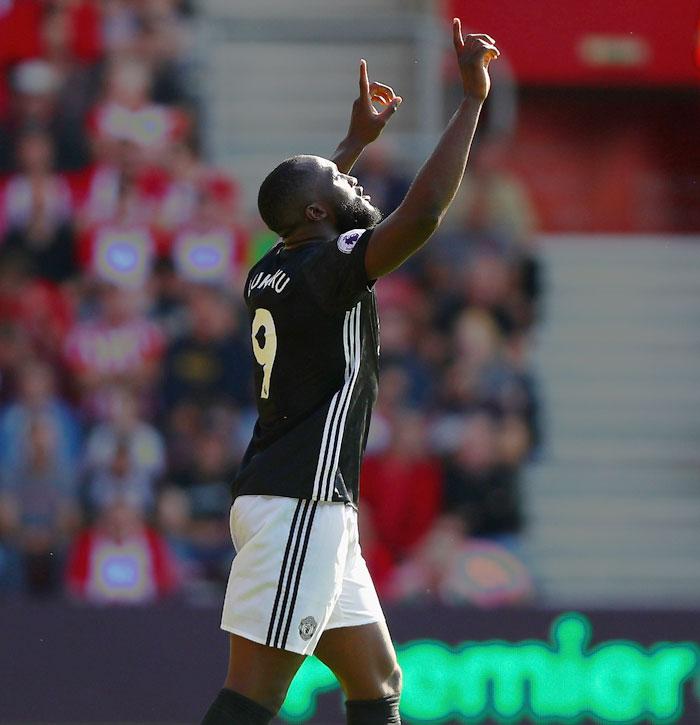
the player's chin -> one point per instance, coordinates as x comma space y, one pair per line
373, 216
369, 209
359, 213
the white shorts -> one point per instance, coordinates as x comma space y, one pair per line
298, 571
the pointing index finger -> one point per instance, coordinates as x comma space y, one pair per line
364, 81
457, 34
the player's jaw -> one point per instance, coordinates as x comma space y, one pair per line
355, 211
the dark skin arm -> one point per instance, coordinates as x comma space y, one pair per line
366, 123
434, 187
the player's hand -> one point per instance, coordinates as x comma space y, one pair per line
366, 122
474, 53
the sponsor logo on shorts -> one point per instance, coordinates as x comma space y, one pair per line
307, 627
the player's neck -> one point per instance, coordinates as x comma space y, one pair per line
309, 234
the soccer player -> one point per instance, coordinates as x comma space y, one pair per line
299, 584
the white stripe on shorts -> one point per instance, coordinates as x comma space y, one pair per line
290, 573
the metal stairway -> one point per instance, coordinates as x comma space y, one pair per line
614, 503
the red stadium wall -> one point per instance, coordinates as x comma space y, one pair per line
591, 42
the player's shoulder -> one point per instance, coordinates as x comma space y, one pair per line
347, 241
269, 257
262, 264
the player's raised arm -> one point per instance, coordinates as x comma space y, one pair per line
366, 123
436, 184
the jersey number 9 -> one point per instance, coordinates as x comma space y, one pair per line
264, 354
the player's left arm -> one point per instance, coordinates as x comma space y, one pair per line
366, 123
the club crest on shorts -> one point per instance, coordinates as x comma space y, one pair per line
307, 627
347, 241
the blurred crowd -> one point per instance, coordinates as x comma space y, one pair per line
126, 394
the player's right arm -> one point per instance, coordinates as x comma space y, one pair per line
436, 184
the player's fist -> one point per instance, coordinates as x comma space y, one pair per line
474, 53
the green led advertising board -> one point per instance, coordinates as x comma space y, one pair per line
562, 680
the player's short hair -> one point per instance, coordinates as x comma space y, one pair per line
282, 194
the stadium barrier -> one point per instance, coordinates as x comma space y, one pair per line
67, 664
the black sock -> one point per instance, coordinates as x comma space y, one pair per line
232, 708
384, 711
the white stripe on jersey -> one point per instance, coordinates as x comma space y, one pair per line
330, 415
338, 409
341, 427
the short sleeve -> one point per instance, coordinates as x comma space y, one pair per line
337, 272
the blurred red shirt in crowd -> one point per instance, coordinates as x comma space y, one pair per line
119, 345
401, 497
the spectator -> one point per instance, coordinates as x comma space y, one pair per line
155, 32
36, 313
211, 362
127, 113
121, 560
185, 173
122, 188
391, 400
118, 345
41, 509
120, 24
162, 42
199, 523
400, 333
39, 98
476, 345
32, 103
401, 497
120, 480
36, 209
481, 491
36, 397
493, 205
124, 457
72, 44
483, 373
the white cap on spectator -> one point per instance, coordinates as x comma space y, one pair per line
35, 77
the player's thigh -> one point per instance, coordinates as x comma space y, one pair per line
259, 672
363, 659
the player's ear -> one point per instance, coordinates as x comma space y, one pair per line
315, 212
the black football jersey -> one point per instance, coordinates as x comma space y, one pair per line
315, 337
